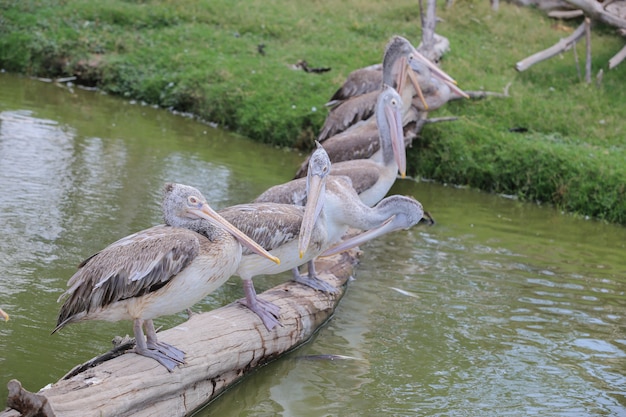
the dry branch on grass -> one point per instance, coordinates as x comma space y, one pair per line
221, 346
612, 13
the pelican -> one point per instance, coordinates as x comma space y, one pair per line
371, 178
355, 101
337, 207
4, 315
158, 271
296, 234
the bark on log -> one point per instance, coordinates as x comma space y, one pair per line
221, 347
563, 45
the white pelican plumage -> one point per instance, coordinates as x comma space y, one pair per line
158, 271
341, 209
372, 177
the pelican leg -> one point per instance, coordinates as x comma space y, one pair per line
165, 348
268, 312
142, 349
311, 279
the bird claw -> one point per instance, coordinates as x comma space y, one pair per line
267, 311
316, 283
168, 350
169, 358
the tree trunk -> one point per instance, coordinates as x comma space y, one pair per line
221, 346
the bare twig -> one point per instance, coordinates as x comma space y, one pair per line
565, 14
483, 94
561, 46
440, 119
619, 57
588, 50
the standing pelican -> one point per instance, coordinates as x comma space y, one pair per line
296, 234
337, 207
354, 102
158, 271
373, 177
4, 315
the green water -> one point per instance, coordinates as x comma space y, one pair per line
501, 308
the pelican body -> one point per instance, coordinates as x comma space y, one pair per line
158, 271
296, 234
349, 132
373, 177
341, 209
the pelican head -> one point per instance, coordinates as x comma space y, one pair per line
389, 120
185, 206
399, 212
319, 168
395, 59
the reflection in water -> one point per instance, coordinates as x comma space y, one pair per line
501, 308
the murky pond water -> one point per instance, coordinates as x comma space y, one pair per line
501, 308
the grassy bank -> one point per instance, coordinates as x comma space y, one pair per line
203, 57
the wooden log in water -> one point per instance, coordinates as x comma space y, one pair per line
221, 346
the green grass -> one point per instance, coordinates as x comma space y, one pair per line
202, 57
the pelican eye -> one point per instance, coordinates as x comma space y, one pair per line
194, 201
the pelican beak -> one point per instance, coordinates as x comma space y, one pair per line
456, 89
315, 202
402, 73
416, 85
206, 212
439, 73
4, 315
386, 227
394, 120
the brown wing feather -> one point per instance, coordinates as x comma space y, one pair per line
363, 173
131, 267
360, 81
348, 113
358, 142
270, 225
291, 192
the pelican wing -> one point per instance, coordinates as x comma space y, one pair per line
291, 192
359, 142
360, 81
357, 171
348, 113
271, 225
131, 267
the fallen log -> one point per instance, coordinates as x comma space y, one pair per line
561, 46
222, 346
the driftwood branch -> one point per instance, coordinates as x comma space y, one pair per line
594, 10
432, 120
587, 24
563, 45
221, 346
429, 23
565, 14
619, 57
